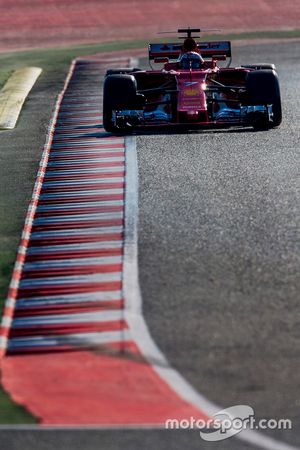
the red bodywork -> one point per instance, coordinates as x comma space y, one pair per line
191, 95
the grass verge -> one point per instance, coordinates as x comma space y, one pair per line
7, 260
13, 414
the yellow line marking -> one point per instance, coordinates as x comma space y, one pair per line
14, 93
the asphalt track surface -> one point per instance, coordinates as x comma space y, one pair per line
218, 269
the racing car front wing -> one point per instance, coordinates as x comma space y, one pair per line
225, 116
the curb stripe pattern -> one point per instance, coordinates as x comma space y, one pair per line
72, 244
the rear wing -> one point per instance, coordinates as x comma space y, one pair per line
206, 49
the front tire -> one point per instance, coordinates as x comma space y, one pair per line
120, 90
262, 88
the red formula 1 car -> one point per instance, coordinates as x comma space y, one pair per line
191, 90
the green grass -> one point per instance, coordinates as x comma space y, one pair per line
4, 76
13, 414
7, 260
55, 61
276, 34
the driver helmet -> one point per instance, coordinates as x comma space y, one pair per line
191, 60
189, 45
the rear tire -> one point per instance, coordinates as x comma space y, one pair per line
119, 92
263, 89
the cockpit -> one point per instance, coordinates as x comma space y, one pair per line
190, 60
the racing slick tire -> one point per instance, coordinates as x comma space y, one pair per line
120, 90
262, 88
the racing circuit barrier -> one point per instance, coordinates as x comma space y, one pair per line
14, 93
